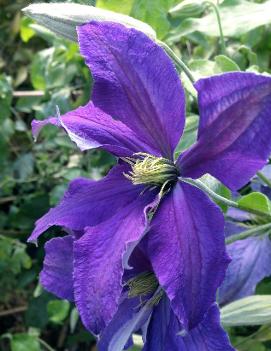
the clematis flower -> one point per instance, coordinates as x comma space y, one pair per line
137, 112
143, 307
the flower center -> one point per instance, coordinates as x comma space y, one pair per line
142, 285
151, 170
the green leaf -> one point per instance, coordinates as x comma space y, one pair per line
218, 188
26, 31
255, 201
188, 8
58, 310
248, 344
249, 54
123, 6
28, 104
205, 68
237, 16
24, 166
42, 32
190, 134
38, 69
36, 314
154, 12
5, 96
25, 342
74, 317
57, 193
252, 310
225, 64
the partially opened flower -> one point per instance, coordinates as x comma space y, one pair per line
143, 307
146, 309
137, 113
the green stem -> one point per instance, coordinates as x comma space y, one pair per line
45, 345
257, 231
261, 331
179, 63
199, 184
264, 179
222, 39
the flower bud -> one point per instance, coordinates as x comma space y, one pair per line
188, 8
62, 18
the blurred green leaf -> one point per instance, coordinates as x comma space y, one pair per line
154, 12
38, 67
225, 64
24, 166
188, 8
29, 103
237, 16
57, 193
74, 318
123, 6
5, 96
26, 31
246, 344
58, 310
36, 314
206, 68
25, 342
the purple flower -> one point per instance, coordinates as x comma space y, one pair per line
143, 307
251, 260
137, 113
146, 309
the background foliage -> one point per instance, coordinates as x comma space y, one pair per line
39, 71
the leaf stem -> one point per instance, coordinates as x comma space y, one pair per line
222, 39
256, 231
178, 62
45, 345
199, 184
264, 179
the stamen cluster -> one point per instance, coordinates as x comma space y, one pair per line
144, 284
151, 170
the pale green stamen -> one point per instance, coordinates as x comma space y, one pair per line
151, 170
142, 285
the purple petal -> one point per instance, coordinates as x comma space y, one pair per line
234, 134
88, 202
128, 319
189, 229
232, 228
89, 128
138, 263
99, 259
164, 328
57, 273
251, 262
238, 215
135, 82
